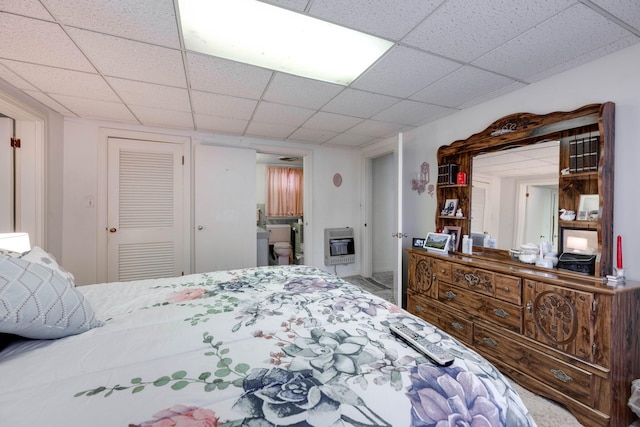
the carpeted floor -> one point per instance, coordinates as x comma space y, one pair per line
545, 412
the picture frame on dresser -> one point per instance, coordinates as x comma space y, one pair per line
437, 242
454, 244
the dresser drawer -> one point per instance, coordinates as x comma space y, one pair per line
498, 312
443, 271
475, 279
508, 288
569, 380
441, 316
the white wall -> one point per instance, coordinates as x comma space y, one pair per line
331, 206
611, 78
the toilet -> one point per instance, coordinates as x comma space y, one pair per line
280, 238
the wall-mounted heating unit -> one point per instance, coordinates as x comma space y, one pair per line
339, 246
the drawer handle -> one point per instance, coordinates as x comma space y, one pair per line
472, 279
501, 313
561, 376
506, 289
457, 326
490, 341
529, 308
419, 307
450, 295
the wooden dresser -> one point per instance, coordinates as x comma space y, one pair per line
571, 338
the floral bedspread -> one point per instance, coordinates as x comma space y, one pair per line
269, 346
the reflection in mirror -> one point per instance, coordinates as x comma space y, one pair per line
514, 195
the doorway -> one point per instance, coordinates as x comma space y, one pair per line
7, 176
382, 234
28, 210
382, 219
302, 228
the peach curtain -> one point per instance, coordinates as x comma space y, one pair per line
284, 191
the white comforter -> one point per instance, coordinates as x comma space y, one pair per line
267, 346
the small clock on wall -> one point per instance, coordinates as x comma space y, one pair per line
337, 180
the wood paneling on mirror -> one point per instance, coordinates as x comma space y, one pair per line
594, 122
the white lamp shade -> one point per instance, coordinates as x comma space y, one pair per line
15, 242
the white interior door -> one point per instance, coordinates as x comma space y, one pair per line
144, 209
225, 208
6, 175
397, 273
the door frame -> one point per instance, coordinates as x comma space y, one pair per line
390, 146
101, 203
31, 171
307, 163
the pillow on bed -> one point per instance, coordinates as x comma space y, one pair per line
42, 257
37, 302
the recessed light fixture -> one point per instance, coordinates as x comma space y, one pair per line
268, 36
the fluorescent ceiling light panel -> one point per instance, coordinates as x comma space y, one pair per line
260, 34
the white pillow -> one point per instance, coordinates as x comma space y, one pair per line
37, 302
42, 257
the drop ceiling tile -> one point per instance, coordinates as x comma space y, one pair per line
413, 113
212, 104
625, 10
31, 8
63, 82
269, 130
351, 140
495, 94
96, 109
332, 122
301, 92
118, 57
388, 19
49, 102
583, 59
404, 71
14, 79
220, 124
161, 117
298, 5
570, 34
358, 103
52, 46
217, 75
151, 21
465, 30
311, 135
376, 128
151, 95
269, 112
461, 86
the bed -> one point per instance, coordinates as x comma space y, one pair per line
266, 346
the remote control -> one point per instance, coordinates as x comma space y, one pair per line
437, 353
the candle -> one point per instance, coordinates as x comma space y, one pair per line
619, 252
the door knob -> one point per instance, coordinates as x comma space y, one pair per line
200, 227
112, 230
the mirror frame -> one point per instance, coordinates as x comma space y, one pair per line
522, 129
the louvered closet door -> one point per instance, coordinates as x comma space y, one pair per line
145, 197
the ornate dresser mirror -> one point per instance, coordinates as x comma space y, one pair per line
582, 182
